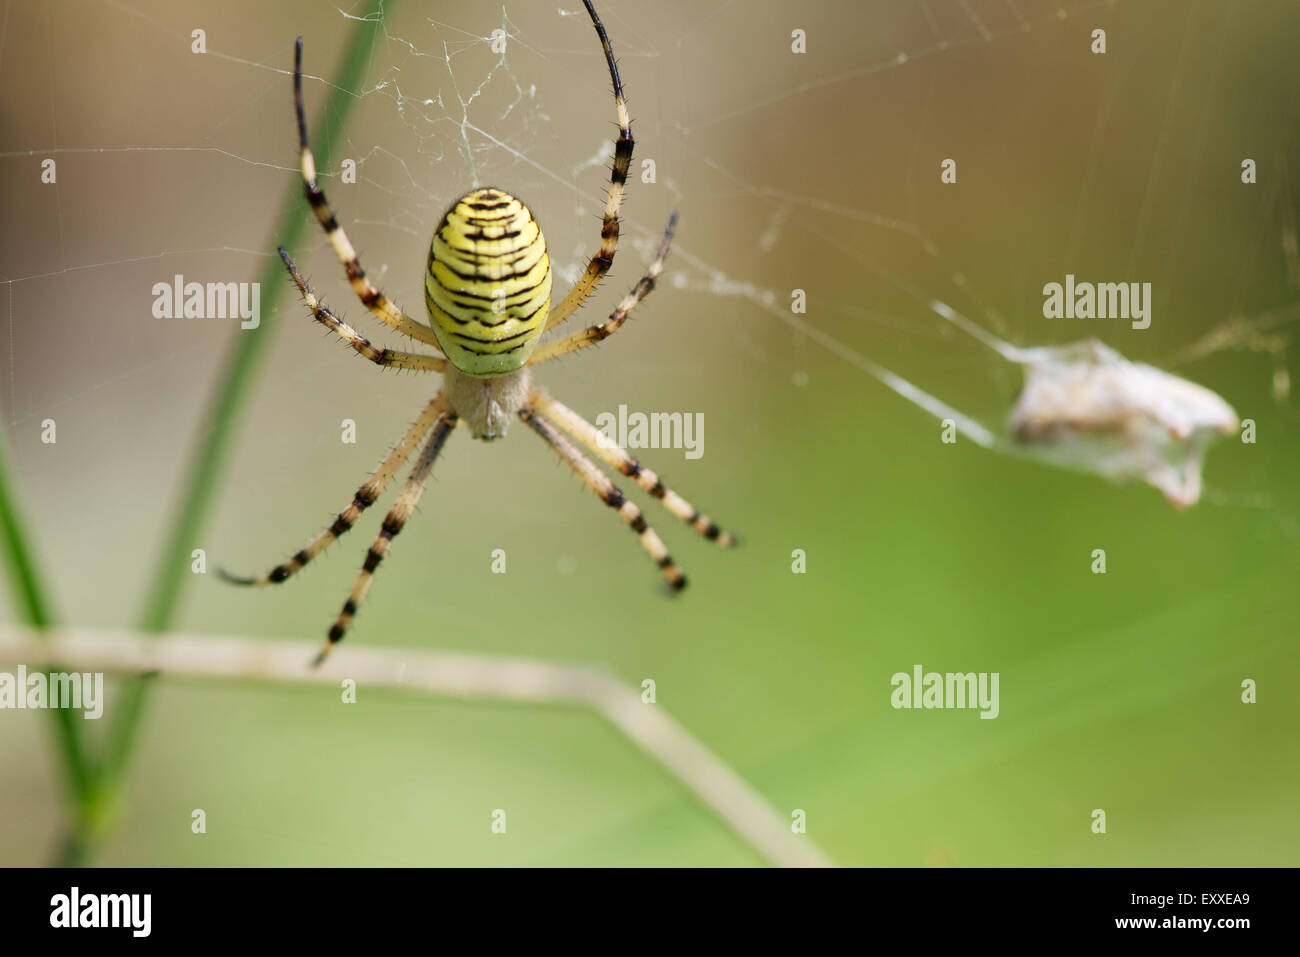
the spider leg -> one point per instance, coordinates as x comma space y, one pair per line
594, 334
370, 297
623, 144
610, 452
365, 497
393, 523
606, 491
381, 357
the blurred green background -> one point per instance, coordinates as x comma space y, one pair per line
817, 171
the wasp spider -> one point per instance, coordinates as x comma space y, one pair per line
488, 293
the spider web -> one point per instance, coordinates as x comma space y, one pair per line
816, 171
819, 172
514, 96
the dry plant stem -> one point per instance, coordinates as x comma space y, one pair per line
458, 675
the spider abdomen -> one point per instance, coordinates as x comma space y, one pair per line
488, 283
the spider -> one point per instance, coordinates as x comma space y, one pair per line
488, 294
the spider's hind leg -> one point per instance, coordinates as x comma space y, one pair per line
370, 297
623, 146
391, 358
599, 333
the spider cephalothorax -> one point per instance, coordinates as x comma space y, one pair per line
488, 292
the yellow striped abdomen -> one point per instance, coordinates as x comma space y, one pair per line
488, 285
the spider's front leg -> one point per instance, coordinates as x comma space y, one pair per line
607, 492
393, 523
612, 454
364, 498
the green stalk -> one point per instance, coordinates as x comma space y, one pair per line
217, 432
34, 610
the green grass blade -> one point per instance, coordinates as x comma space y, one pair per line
34, 610
217, 431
